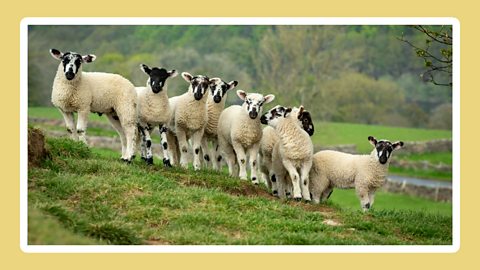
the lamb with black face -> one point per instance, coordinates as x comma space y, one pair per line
384, 148
157, 77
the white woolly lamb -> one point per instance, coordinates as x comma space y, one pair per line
215, 106
240, 132
190, 117
292, 153
85, 92
270, 138
365, 173
153, 109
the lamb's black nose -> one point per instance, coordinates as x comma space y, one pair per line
217, 98
197, 95
263, 120
70, 75
253, 114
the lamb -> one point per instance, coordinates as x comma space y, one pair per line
270, 138
102, 93
190, 117
365, 173
239, 133
215, 106
153, 109
292, 153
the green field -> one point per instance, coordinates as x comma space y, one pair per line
325, 134
346, 133
87, 196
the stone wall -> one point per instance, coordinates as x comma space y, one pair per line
443, 194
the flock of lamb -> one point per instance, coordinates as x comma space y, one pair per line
189, 123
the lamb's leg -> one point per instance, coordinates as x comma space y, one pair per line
196, 144
216, 156
70, 124
164, 141
182, 143
82, 125
147, 140
206, 151
118, 127
130, 134
143, 149
326, 194
241, 159
280, 184
362, 193
253, 155
173, 149
371, 197
304, 175
227, 152
295, 178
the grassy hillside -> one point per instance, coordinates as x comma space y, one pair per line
87, 196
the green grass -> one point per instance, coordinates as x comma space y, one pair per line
54, 113
434, 158
84, 196
345, 133
347, 199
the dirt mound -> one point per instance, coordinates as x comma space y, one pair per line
36, 147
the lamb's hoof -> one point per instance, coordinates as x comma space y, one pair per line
298, 199
144, 158
133, 157
126, 160
275, 193
255, 181
149, 160
166, 163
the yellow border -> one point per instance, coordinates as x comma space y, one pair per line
11, 253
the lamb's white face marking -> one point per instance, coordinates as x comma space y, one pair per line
254, 102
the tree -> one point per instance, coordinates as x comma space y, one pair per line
436, 53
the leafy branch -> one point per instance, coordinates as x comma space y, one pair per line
436, 53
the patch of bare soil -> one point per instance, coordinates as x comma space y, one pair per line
36, 147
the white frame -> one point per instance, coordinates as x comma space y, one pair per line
239, 248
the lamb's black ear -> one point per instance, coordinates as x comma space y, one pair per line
187, 76
300, 112
145, 69
397, 145
56, 54
372, 140
89, 58
232, 85
287, 112
172, 73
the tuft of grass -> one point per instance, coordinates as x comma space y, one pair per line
67, 148
95, 198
